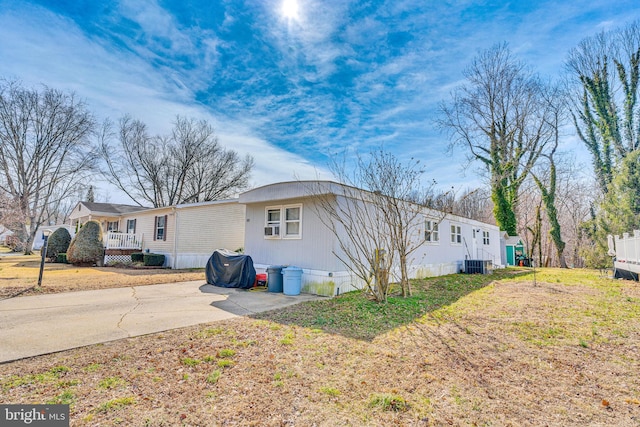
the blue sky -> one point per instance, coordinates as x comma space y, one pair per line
292, 90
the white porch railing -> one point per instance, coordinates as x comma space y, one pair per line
627, 248
117, 240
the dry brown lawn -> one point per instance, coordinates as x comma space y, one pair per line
561, 351
19, 276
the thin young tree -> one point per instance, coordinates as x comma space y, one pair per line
374, 219
501, 117
45, 148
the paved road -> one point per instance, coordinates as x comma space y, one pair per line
35, 325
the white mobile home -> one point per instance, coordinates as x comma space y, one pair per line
188, 234
38, 240
185, 234
283, 227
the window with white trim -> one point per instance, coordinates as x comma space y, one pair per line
485, 237
112, 225
431, 231
292, 221
160, 232
456, 234
283, 222
272, 225
131, 226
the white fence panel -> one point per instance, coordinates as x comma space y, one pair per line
117, 240
628, 247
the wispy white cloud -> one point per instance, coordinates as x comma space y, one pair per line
51, 49
343, 74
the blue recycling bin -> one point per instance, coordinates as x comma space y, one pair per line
292, 280
274, 278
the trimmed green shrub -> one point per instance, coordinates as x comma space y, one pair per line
153, 260
58, 243
62, 259
137, 257
87, 247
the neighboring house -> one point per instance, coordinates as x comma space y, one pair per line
283, 227
107, 214
38, 240
4, 234
513, 249
186, 234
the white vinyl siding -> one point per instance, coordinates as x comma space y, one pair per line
203, 229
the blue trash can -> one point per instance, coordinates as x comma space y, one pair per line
292, 283
274, 278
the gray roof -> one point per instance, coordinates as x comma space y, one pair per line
112, 208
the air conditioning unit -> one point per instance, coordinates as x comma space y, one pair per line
272, 230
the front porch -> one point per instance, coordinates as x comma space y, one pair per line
118, 240
119, 246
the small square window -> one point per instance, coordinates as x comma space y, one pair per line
431, 231
456, 234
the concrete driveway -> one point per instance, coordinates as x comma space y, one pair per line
35, 325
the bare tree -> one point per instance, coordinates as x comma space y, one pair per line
45, 149
362, 234
377, 225
500, 117
475, 204
189, 165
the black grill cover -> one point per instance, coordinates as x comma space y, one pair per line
230, 270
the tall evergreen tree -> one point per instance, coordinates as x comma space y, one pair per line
90, 196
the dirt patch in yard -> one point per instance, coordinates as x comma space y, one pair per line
563, 351
19, 276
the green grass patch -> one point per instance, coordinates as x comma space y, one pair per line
92, 367
67, 397
330, 391
388, 402
354, 315
111, 383
287, 339
51, 376
115, 404
188, 361
226, 353
225, 363
209, 332
214, 377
